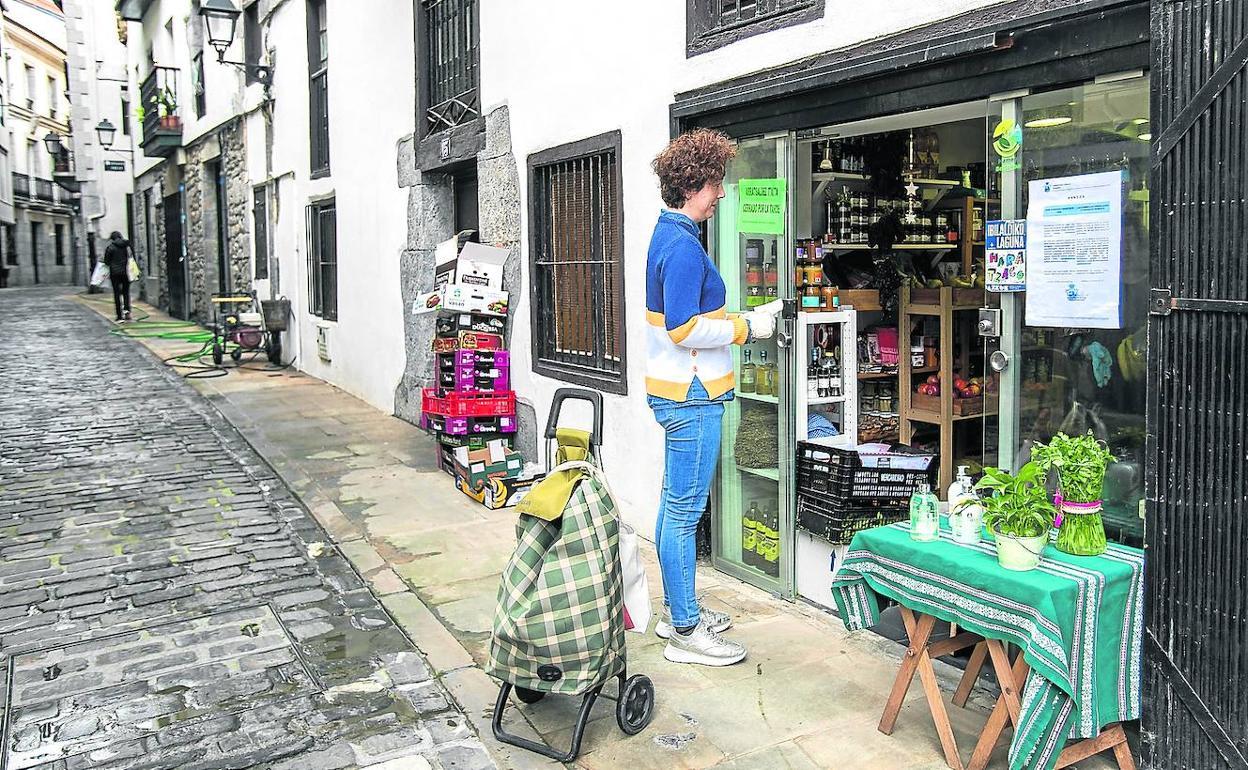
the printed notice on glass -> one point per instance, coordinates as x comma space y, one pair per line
1074, 247
761, 206
1006, 250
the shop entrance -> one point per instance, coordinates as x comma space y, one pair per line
892, 212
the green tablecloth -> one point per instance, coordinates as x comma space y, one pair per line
1078, 619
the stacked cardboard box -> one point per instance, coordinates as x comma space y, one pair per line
471, 407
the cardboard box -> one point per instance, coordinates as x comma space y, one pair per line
477, 466
445, 260
499, 493
450, 324
475, 299
467, 341
481, 265
462, 299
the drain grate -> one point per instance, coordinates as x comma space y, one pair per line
81, 698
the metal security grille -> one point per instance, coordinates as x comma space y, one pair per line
730, 13
451, 42
1195, 715
578, 323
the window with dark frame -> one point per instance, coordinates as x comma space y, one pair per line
198, 85
712, 24
59, 234
577, 263
323, 259
125, 110
318, 89
451, 63
10, 244
252, 48
260, 215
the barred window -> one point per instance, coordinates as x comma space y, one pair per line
712, 24
577, 253
451, 64
323, 259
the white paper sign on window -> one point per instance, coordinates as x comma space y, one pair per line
1074, 251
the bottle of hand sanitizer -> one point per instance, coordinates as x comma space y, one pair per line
966, 516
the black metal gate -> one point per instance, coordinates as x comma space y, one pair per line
1195, 708
175, 264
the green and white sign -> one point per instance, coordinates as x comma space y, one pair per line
761, 206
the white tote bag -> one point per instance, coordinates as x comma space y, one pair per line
637, 610
99, 275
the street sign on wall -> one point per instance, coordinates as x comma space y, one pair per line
114, 165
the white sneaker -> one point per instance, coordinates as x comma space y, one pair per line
704, 647
718, 621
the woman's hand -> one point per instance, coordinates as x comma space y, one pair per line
762, 324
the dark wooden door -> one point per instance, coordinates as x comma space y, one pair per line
175, 263
1195, 710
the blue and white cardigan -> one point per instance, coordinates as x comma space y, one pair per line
688, 331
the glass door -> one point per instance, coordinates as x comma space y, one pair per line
1074, 379
752, 518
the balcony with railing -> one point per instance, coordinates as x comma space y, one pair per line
162, 122
28, 188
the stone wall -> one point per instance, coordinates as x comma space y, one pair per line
202, 230
431, 220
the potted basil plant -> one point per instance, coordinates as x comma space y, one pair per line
1080, 462
1018, 513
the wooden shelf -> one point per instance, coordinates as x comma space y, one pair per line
894, 247
841, 176
885, 375
932, 418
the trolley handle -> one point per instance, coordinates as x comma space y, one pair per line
579, 394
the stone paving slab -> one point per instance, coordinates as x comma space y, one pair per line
166, 601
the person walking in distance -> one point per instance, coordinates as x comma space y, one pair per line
689, 376
117, 257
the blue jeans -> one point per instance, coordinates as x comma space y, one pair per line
691, 451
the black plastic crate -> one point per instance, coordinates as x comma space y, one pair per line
839, 474
838, 523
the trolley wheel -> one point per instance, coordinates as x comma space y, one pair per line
218, 351
237, 354
273, 347
529, 696
635, 708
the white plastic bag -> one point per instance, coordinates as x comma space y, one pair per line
132, 269
99, 275
637, 609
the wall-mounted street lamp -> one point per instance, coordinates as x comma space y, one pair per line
106, 132
52, 141
62, 171
222, 19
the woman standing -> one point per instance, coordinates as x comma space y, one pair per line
117, 257
689, 376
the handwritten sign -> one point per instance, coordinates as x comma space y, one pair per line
761, 206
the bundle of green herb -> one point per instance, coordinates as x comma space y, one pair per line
1080, 462
1018, 504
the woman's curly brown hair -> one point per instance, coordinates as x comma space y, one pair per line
690, 161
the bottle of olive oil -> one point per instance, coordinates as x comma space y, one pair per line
749, 535
749, 375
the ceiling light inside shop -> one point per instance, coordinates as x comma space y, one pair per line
1049, 122
1140, 121
1145, 137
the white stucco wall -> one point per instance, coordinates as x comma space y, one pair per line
372, 106
563, 82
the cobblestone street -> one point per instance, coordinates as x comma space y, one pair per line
165, 600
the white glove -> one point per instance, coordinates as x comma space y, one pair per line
772, 308
762, 324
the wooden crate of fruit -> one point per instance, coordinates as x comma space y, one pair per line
961, 406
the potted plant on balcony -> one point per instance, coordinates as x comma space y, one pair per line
1080, 462
1018, 513
166, 105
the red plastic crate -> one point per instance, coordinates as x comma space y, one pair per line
481, 404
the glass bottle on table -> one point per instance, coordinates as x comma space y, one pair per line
924, 515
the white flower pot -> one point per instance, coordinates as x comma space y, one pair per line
1020, 553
